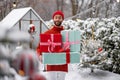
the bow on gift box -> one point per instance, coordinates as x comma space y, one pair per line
67, 43
51, 44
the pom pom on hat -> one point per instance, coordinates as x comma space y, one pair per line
58, 13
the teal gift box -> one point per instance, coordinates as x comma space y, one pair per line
71, 40
60, 58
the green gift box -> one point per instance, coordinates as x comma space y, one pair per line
60, 58
71, 40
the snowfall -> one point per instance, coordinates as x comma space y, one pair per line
74, 72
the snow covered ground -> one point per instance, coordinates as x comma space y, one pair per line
83, 74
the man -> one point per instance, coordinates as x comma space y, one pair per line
58, 18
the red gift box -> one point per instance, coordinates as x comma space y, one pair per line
50, 42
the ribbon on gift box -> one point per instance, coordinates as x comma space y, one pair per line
66, 47
67, 57
67, 43
50, 43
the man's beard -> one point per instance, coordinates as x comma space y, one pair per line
57, 23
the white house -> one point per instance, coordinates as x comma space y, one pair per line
20, 19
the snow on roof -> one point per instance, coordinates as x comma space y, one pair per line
15, 15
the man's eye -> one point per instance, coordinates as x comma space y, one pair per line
56, 18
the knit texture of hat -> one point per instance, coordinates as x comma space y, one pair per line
58, 13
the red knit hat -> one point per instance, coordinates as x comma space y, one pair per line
58, 13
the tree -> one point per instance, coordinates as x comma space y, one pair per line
60, 4
100, 42
74, 6
95, 8
6, 6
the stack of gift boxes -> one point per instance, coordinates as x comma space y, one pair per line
58, 49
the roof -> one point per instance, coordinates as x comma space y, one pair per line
17, 14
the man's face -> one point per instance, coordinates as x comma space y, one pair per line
57, 20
